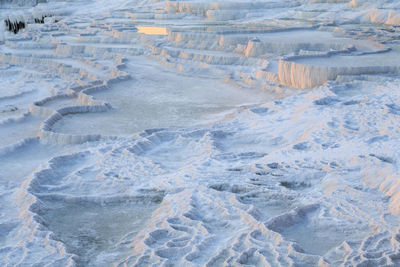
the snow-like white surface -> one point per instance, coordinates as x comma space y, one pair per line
200, 133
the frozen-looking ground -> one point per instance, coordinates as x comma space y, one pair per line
199, 133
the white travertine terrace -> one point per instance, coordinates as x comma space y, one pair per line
303, 72
199, 133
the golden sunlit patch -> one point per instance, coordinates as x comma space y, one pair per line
152, 30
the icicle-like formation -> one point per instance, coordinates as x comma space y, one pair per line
14, 25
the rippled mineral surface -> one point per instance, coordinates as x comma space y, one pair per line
199, 133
